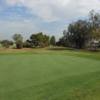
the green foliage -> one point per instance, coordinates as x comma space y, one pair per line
27, 44
39, 40
18, 40
6, 43
82, 32
53, 41
94, 20
78, 33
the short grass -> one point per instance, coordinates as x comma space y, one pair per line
49, 75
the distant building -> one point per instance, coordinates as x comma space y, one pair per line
94, 44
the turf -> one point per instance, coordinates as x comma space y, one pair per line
50, 75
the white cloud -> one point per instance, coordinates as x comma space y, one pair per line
52, 10
11, 27
62, 11
27, 27
14, 2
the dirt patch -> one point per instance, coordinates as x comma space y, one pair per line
4, 50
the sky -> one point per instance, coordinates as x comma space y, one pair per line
49, 16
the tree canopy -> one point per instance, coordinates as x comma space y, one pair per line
53, 41
18, 40
80, 33
39, 40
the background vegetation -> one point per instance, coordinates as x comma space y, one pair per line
81, 34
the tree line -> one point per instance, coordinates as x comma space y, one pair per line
79, 34
82, 33
36, 40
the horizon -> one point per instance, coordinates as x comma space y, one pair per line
50, 17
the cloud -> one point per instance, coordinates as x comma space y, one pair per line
14, 2
24, 27
48, 16
53, 10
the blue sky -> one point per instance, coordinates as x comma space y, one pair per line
49, 16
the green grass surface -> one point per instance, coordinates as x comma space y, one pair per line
50, 75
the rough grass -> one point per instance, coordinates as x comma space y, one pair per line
41, 74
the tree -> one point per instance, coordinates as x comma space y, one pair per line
39, 40
53, 41
27, 44
94, 19
18, 40
77, 34
82, 32
66, 39
6, 43
45, 40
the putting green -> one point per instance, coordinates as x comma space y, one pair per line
49, 77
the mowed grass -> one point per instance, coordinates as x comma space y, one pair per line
49, 75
